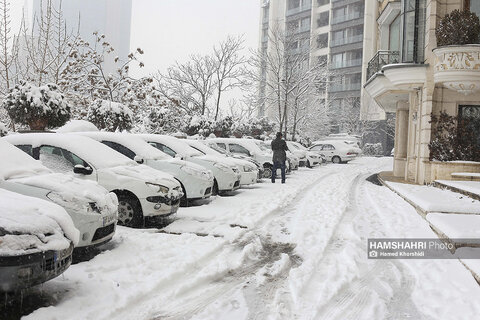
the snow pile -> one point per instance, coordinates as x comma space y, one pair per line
29, 225
456, 226
14, 163
77, 126
468, 186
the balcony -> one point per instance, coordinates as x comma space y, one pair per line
346, 63
305, 7
347, 17
381, 59
347, 40
457, 68
340, 87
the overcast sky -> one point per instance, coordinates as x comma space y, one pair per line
169, 30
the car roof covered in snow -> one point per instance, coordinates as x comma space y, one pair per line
132, 142
250, 143
77, 126
47, 224
95, 153
199, 145
15, 163
173, 143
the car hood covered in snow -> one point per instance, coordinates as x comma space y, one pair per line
29, 225
72, 192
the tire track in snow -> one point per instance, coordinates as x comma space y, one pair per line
198, 297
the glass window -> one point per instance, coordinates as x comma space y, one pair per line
475, 6
163, 148
328, 147
222, 145
323, 19
318, 147
322, 2
119, 148
394, 35
26, 148
413, 43
471, 113
59, 160
236, 148
292, 4
322, 40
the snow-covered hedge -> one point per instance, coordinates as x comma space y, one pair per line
373, 149
110, 116
37, 107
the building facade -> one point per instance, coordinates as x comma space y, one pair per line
109, 17
407, 73
332, 32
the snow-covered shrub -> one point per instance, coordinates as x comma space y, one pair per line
457, 28
223, 127
373, 149
201, 125
164, 119
454, 138
37, 107
110, 116
3, 130
254, 127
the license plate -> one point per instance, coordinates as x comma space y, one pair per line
108, 219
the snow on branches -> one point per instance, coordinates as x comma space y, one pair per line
110, 116
38, 107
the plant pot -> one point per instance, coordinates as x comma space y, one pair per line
457, 67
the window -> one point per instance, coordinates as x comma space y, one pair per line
318, 147
472, 113
26, 148
292, 4
163, 148
322, 2
322, 59
474, 6
322, 40
413, 16
59, 160
236, 148
394, 35
119, 148
323, 19
222, 145
327, 147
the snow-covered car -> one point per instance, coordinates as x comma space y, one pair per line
196, 181
36, 241
335, 151
309, 158
92, 208
249, 148
247, 169
226, 153
226, 176
143, 193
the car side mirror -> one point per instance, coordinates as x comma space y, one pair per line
79, 169
138, 159
178, 156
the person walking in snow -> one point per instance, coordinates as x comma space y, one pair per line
279, 148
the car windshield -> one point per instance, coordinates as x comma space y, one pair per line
15, 163
177, 145
263, 146
198, 145
218, 149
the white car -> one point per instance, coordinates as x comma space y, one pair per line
143, 193
249, 148
196, 181
335, 151
92, 208
308, 158
226, 175
247, 169
36, 241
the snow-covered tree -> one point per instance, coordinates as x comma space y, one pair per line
39, 107
110, 116
166, 118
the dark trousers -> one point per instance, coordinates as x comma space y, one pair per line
278, 165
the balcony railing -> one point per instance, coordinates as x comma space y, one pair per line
339, 87
347, 17
305, 7
381, 59
347, 40
346, 63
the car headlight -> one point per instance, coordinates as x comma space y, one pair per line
248, 168
157, 187
72, 203
195, 172
222, 167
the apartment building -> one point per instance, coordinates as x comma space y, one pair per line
407, 73
332, 32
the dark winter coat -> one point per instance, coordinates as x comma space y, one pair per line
279, 146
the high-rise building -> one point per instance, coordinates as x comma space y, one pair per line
332, 32
109, 17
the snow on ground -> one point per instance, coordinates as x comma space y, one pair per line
456, 226
432, 199
469, 186
293, 251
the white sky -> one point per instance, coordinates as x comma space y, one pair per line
169, 30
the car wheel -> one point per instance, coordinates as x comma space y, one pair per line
129, 211
183, 200
336, 159
267, 173
308, 164
215, 188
